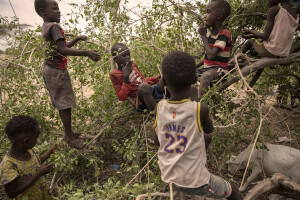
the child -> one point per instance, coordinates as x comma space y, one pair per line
277, 40
180, 126
22, 170
55, 71
217, 46
128, 81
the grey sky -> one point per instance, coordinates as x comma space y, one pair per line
24, 10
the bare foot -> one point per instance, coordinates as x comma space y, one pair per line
75, 143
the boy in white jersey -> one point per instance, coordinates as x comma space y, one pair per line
179, 126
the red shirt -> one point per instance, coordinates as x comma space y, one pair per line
52, 32
124, 90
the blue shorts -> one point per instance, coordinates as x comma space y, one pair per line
157, 93
216, 188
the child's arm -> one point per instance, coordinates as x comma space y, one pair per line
46, 155
77, 39
210, 52
12, 188
121, 87
156, 141
200, 64
205, 119
66, 51
272, 12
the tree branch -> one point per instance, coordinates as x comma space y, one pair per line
271, 183
112, 27
261, 64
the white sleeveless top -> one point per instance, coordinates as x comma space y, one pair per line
182, 154
281, 37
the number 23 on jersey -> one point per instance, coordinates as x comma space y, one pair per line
174, 139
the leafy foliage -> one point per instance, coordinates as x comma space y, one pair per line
150, 33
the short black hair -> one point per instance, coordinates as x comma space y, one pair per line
116, 48
179, 69
224, 6
38, 4
20, 124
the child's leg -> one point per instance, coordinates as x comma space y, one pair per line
260, 48
145, 95
246, 47
235, 193
65, 116
205, 80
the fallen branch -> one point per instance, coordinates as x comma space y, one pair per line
155, 194
270, 184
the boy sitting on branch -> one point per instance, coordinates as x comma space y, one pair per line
128, 81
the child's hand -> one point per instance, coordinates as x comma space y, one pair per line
247, 33
202, 30
45, 169
82, 37
127, 70
93, 54
54, 148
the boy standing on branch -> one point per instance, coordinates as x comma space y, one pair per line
55, 71
217, 45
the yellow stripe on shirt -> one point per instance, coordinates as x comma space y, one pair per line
155, 123
198, 117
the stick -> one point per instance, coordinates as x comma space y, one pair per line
142, 196
260, 115
100, 132
140, 170
171, 191
52, 181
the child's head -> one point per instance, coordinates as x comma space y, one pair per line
216, 10
179, 70
121, 54
23, 130
48, 10
276, 2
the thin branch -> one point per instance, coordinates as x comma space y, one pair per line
112, 27
260, 115
140, 171
188, 10
12, 8
100, 132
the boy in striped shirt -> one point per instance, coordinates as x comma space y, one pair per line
217, 45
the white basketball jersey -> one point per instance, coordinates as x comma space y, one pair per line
182, 154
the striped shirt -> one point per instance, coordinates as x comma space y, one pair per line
223, 41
